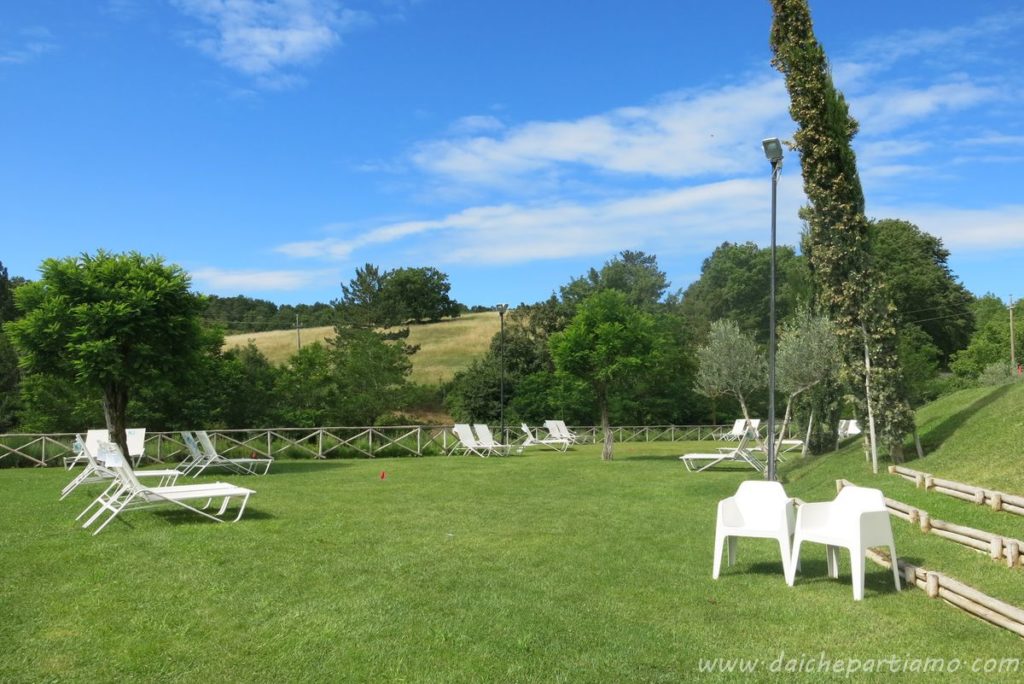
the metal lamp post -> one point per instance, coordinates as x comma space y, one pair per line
773, 151
502, 308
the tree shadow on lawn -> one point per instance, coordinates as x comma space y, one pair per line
282, 467
935, 436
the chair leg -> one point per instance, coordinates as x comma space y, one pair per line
832, 560
732, 550
795, 561
787, 555
857, 572
717, 567
895, 567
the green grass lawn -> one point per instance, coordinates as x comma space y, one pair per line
536, 567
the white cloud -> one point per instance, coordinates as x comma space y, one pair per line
994, 139
683, 135
255, 280
263, 38
31, 43
687, 219
995, 228
892, 107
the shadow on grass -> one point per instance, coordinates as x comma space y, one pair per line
935, 437
876, 578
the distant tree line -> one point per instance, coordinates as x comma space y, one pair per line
615, 344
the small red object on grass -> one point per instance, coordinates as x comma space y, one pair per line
383, 474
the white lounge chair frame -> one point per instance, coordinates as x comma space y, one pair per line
486, 440
739, 454
558, 430
740, 428
95, 471
556, 443
203, 455
467, 442
127, 493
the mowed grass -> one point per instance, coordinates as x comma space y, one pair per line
536, 567
446, 347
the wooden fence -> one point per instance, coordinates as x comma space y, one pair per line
939, 585
998, 547
326, 442
999, 501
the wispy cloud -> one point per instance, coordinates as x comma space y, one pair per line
681, 220
993, 228
28, 44
893, 107
265, 38
681, 135
219, 279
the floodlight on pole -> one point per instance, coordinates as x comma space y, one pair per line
773, 152
502, 308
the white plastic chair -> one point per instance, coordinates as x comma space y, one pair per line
758, 509
857, 520
556, 443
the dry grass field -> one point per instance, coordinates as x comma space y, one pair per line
445, 347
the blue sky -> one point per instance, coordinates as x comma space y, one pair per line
270, 148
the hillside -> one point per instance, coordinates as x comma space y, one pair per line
445, 347
974, 436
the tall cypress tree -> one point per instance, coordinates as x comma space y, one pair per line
837, 235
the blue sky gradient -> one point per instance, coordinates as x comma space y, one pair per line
270, 148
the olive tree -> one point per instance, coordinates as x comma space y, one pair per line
730, 363
108, 322
808, 354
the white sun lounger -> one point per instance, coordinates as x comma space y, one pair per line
739, 454
96, 471
552, 442
486, 440
127, 493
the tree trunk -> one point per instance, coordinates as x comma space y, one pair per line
896, 452
785, 423
917, 443
115, 411
867, 397
606, 452
807, 439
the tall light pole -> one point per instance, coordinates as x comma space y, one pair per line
773, 151
502, 308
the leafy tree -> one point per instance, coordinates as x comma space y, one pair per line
837, 237
924, 290
635, 274
306, 388
733, 285
9, 375
919, 358
808, 354
730, 363
370, 374
247, 381
362, 300
990, 343
110, 322
418, 294
606, 341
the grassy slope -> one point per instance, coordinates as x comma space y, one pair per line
445, 347
973, 436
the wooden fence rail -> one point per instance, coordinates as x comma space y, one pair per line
999, 501
323, 442
998, 547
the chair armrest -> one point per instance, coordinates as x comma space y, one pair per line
814, 514
729, 513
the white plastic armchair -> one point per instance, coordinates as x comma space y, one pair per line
758, 509
857, 520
